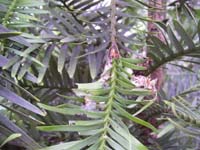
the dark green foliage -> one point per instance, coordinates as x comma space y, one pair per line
60, 89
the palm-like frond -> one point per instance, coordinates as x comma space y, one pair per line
68, 44
171, 139
73, 23
178, 45
16, 16
183, 110
106, 129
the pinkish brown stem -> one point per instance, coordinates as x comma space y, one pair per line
158, 14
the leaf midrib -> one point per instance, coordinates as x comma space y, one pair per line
109, 106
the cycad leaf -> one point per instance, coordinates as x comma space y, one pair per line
8, 34
134, 119
71, 111
176, 51
174, 40
92, 63
114, 144
72, 128
90, 86
61, 58
73, 61
101, 120
133, 143
15, 69
198, 30
62, 146
28, 3
184, 35
25, 139
46, 60
10, 138
4, 92
74, 145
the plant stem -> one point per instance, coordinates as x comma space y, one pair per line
113, 55
113, 22
109, 106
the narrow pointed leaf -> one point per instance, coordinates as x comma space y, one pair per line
133, 143
45, 61
10, 138
4, 92
79, 99
10, 62
74, 145
72, 128
14, 70
4, 35
73, 61
92, 63
90, 86
132, 66
71, 111
25, 140
61, 58
184, 35
134, 91
132, 60
135, 119
174, 40
114, 144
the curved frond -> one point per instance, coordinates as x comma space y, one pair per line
178, 44
106, 128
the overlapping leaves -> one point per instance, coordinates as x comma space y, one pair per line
186, 113
179, 44
19, 13
105, 129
